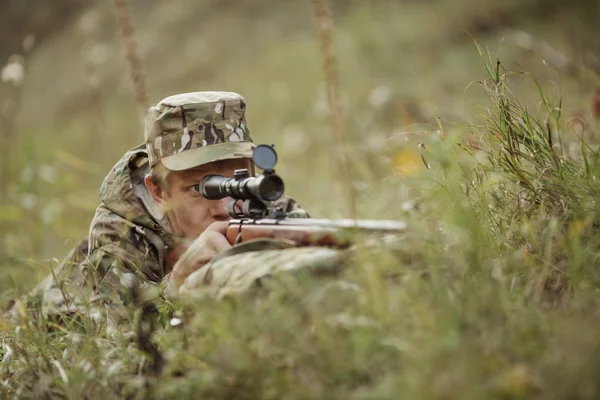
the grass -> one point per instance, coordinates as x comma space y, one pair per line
496, 297
492, 292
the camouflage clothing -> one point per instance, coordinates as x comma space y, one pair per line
248, 264
131, 247
128, 248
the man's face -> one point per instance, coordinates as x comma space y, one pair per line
188, 211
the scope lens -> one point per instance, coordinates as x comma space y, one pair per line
271, 188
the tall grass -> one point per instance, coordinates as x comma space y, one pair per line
122, 9
324, 23
537, 186
490, 293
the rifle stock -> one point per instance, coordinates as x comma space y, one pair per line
307, 231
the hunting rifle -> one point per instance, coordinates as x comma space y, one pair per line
255, 213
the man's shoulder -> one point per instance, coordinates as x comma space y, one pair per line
133, 160
123, 191
123, 228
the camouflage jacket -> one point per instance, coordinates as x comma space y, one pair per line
130, 248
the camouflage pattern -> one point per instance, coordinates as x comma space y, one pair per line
246, 265
191, 129
131, 248
127, 251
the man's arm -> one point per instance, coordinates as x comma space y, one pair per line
202, 250
99, 282
213, 242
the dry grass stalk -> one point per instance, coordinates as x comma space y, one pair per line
92, 97
7, 116
324, 24
11, 88
95, 100
135, 64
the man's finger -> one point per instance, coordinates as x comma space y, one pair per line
219, 226
219, 243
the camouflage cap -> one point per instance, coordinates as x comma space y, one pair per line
190, 129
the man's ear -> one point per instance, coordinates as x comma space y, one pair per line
157, 193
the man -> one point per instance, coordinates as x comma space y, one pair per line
154, 228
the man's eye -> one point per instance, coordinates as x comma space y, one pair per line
195, 188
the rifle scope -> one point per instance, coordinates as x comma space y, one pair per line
242, 187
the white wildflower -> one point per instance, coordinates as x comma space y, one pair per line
29, 201
89, 21
14, 71
47, 173
96, 316
408, 205
379, 96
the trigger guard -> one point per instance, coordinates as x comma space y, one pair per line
238, 237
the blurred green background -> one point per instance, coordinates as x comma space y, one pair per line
68, 112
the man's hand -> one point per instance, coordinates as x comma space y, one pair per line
210, 243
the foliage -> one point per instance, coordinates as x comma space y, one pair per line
496, 304
491, 293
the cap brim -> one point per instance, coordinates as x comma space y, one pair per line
203, 155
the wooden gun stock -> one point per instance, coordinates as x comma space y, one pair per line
296, 235
306, 231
